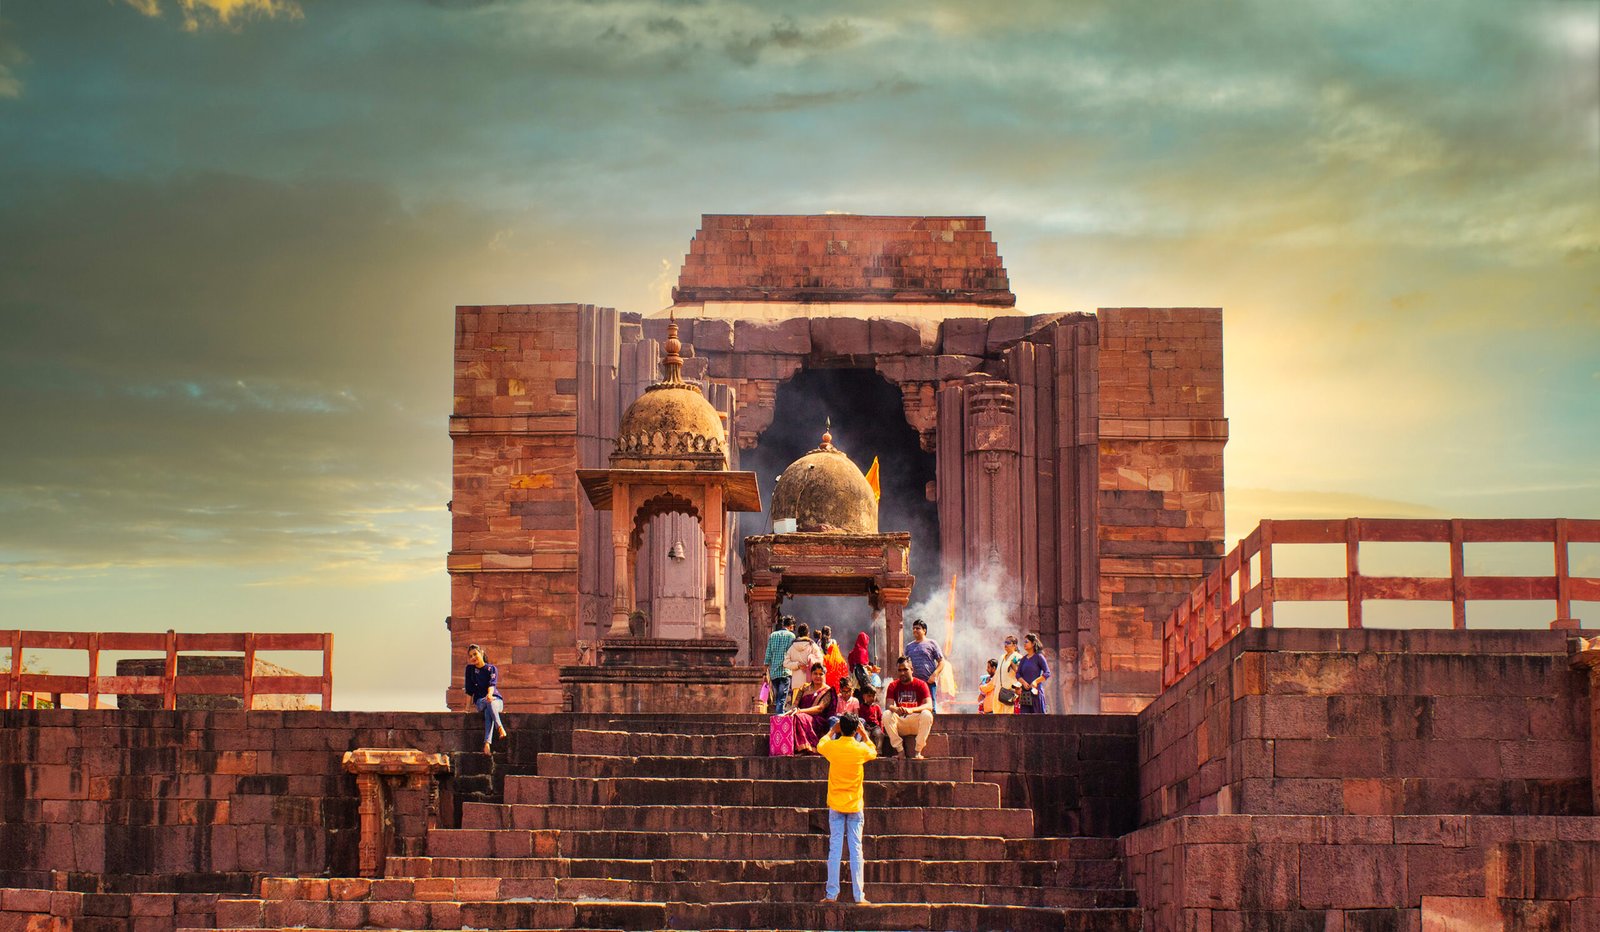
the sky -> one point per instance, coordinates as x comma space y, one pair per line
233, 232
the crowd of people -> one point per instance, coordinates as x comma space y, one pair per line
810, 684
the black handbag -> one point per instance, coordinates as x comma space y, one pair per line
1008, 696
1028, 698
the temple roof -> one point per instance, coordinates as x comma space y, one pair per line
843, 258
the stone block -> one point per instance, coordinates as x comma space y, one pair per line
839, 336
789, 337
1351, 876
963, 337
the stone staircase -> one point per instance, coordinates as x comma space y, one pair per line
651, 829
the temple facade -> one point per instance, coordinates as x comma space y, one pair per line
1079, 456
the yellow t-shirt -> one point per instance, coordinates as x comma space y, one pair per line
847, 759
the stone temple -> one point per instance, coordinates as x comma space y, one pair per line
1076, 458
623, 540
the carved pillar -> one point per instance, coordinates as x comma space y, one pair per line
712, 522
894, 603
621, 561
1587, 657
387, 823
763, 602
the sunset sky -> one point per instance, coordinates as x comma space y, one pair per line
233, 232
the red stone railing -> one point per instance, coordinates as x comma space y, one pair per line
1226, 602
170, 684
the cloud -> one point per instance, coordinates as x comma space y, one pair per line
11, 58
227, 14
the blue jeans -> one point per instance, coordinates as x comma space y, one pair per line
491, 709
933, 694
780, 695
839, 823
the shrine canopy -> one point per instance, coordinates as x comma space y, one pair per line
826, 542
670, 458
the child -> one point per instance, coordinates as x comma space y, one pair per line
986, 687
871, 715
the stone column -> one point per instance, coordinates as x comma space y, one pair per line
373, 843
894, 603
621, 566
712, 522
1587, 657
763, 602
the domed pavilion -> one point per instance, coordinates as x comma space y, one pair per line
825, 541
670, 458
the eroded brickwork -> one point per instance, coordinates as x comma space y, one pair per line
1161, 432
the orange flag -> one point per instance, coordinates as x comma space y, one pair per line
949, 685
872, 480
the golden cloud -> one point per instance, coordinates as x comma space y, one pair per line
229, 14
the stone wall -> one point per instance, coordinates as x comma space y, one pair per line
514, 550
1359, 873
1161, 434
1371, 722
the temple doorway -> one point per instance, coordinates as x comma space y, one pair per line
868, 420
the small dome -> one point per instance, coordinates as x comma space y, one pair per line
672, 425
826, 493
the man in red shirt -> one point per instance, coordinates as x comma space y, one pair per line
908, 711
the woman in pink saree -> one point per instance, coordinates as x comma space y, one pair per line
812, 710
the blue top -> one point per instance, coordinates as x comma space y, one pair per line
778, 643
478, 680
924, 656
1031, 668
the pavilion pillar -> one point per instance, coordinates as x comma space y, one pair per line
894, 603
621, 562
712, 524
763, 601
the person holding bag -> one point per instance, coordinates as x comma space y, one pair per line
1032, 671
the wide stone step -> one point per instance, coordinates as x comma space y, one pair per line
806, 767
793, 890
654, 791
734, 741
553, 914
1087, 872
517, 843
1011, 823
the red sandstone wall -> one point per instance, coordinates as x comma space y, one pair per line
1370, 722
1161, 434
1359, 873
514, 550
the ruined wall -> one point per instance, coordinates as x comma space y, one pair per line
1161, 435
514, 551
1370, 722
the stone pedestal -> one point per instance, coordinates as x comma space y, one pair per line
654, 675
399, 802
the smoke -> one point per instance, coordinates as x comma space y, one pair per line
986, 611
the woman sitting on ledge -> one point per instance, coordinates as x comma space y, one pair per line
482, 682
813, 710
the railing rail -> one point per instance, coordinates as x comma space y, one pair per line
1230, 598
170, 684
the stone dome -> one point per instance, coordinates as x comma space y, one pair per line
826, 493
672, 425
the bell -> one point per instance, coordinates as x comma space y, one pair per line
676, 553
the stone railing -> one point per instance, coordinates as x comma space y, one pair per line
171, 683
1243, 590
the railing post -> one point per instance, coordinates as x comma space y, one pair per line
1458, 574
1352, 571
94, 671
249, 671
327, 672
14, 677
1266, 573
169, 676
1563, 580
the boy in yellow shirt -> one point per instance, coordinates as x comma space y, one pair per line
847, 752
